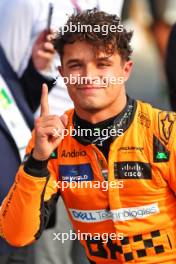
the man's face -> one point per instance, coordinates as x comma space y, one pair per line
99, 77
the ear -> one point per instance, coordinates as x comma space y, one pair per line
60, 70
127, 68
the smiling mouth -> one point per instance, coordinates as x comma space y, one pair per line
89, 90
90, 87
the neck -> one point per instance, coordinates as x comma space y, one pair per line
96, 116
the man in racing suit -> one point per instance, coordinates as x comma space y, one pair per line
118, 179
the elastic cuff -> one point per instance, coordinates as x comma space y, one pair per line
35, 167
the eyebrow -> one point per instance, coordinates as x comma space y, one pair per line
79, 60
104, 59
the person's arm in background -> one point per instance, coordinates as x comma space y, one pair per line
42, 57
16, 31
170, 67
20, 27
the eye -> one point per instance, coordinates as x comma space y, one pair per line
75, 66
103, 64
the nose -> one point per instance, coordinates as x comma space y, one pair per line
90, 74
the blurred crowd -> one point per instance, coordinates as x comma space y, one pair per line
28, 59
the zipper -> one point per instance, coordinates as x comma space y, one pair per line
169, 241
103, 169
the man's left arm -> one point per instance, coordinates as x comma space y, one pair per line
26, 210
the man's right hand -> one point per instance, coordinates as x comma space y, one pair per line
45, 139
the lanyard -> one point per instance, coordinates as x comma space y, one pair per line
13, 118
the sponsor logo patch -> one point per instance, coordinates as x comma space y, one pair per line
123, 214
80, 172
131, 213
130, 149
73, 154
166, 121
90, 216
144, 119
54, 154
132, 170
160, 152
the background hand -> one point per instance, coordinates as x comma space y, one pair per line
43, 51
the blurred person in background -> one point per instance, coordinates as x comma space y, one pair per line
22, 21
170, 67
146, 17
19, 99
154, 19
160, 27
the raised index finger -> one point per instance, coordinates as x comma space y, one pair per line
44, 101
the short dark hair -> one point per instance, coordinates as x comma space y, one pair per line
118, 40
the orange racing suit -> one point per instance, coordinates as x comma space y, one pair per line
142, 159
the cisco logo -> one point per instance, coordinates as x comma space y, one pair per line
132, 170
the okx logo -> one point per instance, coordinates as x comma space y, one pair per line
132, 170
